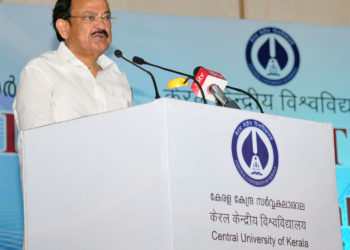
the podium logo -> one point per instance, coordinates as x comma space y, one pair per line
254, 153
272, 56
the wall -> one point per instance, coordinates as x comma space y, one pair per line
329, 12
332, 12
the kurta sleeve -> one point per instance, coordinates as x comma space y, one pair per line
33, 105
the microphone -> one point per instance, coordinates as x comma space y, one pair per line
141, 61
138, 60
119, 54
206, 78
221, 98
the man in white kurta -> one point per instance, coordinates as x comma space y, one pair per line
57, 86
76, 80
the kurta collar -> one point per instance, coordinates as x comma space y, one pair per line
66, 55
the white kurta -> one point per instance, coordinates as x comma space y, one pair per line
57, 86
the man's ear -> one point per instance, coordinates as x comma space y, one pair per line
63, 28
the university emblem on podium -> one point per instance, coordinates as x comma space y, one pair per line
255, 153
272, 56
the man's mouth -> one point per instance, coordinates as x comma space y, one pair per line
100, 33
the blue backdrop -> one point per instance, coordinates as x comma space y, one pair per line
294, 70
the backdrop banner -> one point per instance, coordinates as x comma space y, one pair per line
294, 70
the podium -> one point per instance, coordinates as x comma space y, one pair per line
180, 176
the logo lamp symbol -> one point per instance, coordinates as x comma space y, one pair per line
254, 153
272, 56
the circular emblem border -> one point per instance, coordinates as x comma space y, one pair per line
244, 175
260, 77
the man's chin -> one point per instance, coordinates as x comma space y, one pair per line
101, 46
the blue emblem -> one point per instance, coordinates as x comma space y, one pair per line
254, 153
272, 56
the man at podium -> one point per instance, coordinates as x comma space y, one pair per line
77, 79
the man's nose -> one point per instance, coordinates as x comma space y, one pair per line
99, 23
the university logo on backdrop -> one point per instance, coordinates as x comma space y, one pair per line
254, 153
272, 56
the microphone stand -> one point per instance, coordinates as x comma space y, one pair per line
248, 94
118, 53
139, 60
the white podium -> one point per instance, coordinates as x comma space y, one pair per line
180, 176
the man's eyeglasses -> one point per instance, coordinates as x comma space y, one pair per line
91, 19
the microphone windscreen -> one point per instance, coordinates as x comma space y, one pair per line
195, 71
118, 53
138, 60
206, 78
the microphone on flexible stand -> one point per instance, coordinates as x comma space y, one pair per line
221, 98
216, 83
206, 79
141, 61
119, 54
